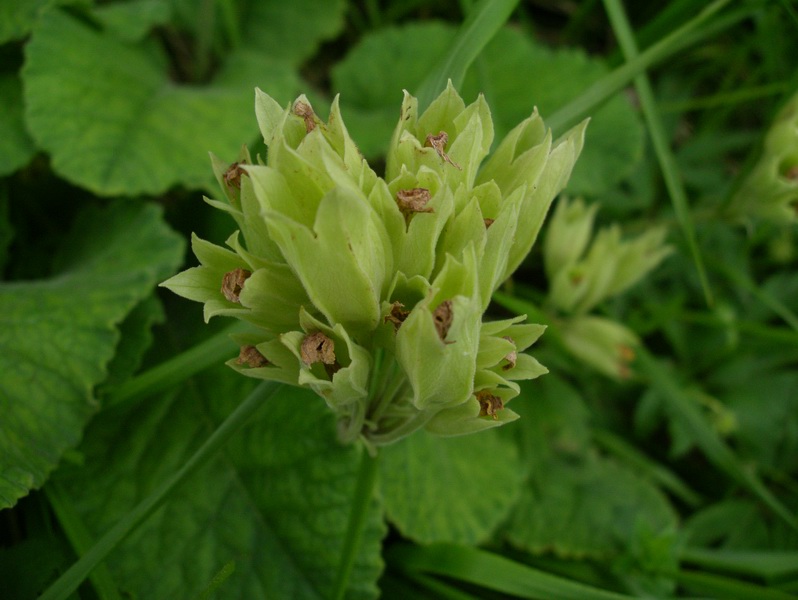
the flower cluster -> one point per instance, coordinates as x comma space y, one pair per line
770, 191
369, 290
581, 277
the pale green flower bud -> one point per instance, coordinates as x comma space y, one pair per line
527, 160
770, 191
610, 267
567, 234
371, 291
602, 344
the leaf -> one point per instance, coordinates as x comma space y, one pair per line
276, 502
576, 503
290, 31
371, 75
16, 146
136, 332
58, 335
18, 18
455, 489
131, 21
130, 130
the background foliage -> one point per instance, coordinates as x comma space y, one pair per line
674, 479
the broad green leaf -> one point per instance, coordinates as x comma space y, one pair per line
58, 336
513, 72
290, 31
738, 524
131, 21
275, 502
115, 123
576, 503
450, 489
18, 18
16, 146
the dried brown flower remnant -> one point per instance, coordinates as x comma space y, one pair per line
232, 176
442, 317
317, 347
792, 173
512, 356
439, 143
233, 283
626, 355
489, 404
397, 315
302, 109
250, 356
488, 222
413, 201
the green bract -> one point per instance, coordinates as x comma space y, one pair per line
371, 290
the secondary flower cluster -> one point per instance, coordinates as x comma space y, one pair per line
580, 277
371, 291
770, 191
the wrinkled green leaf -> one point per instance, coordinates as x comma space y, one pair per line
276, 503
113, 121
576, 503
449, 489
58, 335
513, 72
16, 146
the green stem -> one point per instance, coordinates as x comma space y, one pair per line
179, 368
80, 538
660, 141
358, 515
603, 89
72, 578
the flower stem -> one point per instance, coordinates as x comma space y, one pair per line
358, 515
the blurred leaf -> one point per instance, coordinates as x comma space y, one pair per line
276, 502
738, 524
58, 336
289, 31
115, 124
576, 503
16, 146
384, 62
131, 21
449, 489
18, 18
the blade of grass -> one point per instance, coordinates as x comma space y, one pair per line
704, 435
492, 571
72, 578
667, 162
81, 539
647, 467
774, 304
770, 566
716, 586
582, 106
478, 29
214, 350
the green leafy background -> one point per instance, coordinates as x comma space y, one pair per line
107, 114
